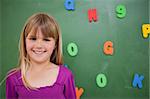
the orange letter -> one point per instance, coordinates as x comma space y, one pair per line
79, 92
108, 48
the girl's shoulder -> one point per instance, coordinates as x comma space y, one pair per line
14, 75
64, 74
65, 70
13, 72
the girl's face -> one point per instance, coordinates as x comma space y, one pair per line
39, 48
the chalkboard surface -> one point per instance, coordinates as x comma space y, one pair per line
0, 43
131, 50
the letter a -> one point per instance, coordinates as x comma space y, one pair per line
69, 4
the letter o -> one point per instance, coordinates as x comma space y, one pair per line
101, 80
72, 49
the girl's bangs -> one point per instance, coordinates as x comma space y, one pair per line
46, 30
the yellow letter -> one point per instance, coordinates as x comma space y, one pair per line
146, 30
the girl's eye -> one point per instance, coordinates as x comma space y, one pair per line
32, 38
46, 39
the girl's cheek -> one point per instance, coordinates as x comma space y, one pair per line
29, 44
50, 45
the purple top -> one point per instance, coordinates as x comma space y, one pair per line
63, 88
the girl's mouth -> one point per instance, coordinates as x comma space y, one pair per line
38, 52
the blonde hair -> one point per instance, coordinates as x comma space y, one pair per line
50, 28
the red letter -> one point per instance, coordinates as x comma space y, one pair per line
92, 15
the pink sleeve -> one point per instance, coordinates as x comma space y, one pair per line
70, 88
10, 88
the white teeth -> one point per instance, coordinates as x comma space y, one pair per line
38, 52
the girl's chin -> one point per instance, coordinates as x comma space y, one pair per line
39, 61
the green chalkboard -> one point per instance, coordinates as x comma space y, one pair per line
0, 44
131, 50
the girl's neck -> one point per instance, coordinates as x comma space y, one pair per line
38, 67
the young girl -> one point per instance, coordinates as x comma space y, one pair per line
40, 74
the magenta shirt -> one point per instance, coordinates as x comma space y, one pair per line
63, 88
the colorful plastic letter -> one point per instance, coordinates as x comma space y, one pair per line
137, 81
79, 92
146, 30
108, 48
69, 4
72, 49
101, 80
121, 11
66, 65
92, 15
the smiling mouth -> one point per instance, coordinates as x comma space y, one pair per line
38, 52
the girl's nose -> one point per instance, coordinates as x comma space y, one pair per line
39, 44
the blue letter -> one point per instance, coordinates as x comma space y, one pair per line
137, 81
69, 4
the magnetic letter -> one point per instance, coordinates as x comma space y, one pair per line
121, 11
92, 15
108, 48
137, 82
79, 92
146, 30
69, 4
66, 65
72, 49
101, 80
